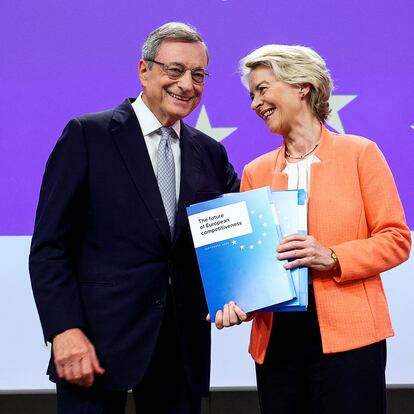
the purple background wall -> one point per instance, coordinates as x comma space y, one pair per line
60, 59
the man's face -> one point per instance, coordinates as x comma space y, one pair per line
171, 100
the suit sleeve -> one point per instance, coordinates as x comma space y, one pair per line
231, 180
59, 215
390, 241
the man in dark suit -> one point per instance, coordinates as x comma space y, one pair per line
113, 269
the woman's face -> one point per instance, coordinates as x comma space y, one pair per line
277, 103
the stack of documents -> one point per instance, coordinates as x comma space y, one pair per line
235, 237
291, 209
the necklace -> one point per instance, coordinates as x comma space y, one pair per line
300, 157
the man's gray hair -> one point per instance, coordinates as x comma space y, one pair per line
175, 31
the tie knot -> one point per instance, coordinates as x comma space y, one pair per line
167, 133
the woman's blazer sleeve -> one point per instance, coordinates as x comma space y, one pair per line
388, 241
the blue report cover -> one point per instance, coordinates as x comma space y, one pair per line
235, 239
291, 209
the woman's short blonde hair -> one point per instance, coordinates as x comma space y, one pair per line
295, 65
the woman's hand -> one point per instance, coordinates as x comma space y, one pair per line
229, 316
305, 250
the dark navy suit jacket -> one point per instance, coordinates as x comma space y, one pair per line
102, 255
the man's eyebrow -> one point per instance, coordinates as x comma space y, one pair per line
175, 63
182, 64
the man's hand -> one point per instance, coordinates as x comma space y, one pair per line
75, 358
229, 316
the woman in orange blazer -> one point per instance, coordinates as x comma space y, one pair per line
331, 358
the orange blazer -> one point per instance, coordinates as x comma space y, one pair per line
355, 210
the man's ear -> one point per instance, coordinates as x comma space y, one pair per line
143, 72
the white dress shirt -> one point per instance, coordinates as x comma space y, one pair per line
149, 126
299, 173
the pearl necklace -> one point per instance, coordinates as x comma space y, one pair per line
300, 157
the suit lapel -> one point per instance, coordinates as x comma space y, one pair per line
190, 170
129, 140
321, 177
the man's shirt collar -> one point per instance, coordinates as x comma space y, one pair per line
147, 120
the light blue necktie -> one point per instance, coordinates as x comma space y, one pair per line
166, 174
